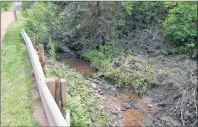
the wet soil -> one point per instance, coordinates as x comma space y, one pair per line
132, 117
171, 103
123, 106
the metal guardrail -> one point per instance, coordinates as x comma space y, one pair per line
54, 116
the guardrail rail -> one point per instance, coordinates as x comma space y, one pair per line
54, 116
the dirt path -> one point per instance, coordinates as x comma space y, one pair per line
6, 20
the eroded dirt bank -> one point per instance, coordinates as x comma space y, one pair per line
174, 97
124, 108
171, 102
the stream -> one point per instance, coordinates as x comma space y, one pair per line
126, 108
79, 65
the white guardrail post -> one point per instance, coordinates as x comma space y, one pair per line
54, 116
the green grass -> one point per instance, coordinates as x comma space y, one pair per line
16, 80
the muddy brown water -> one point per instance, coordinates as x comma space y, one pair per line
131, 116
79, 65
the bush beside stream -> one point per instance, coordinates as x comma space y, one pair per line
123, 69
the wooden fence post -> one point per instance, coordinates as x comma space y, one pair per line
58, 97
41, 56
63, 93
51, 84
33, 42
57, 88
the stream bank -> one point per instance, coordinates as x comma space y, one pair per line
170, 103
121, 106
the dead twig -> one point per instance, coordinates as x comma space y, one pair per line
182, 118
195, 101
178, 102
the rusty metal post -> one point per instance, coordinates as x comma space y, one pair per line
15, 15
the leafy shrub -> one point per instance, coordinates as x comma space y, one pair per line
100, 58
78, 94
79, 112
118, 68
142, 14
5, 5
130, 71
97, 58
110, 50
180, 25
38, 22
25, 6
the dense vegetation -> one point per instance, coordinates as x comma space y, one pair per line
111, 34
79, 100
87, 25
78, 96
5, 5
180, 26
104, 31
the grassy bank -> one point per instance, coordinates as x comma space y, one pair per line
16, 80
80, 98
79, 94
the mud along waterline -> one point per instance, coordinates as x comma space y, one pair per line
126, 107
